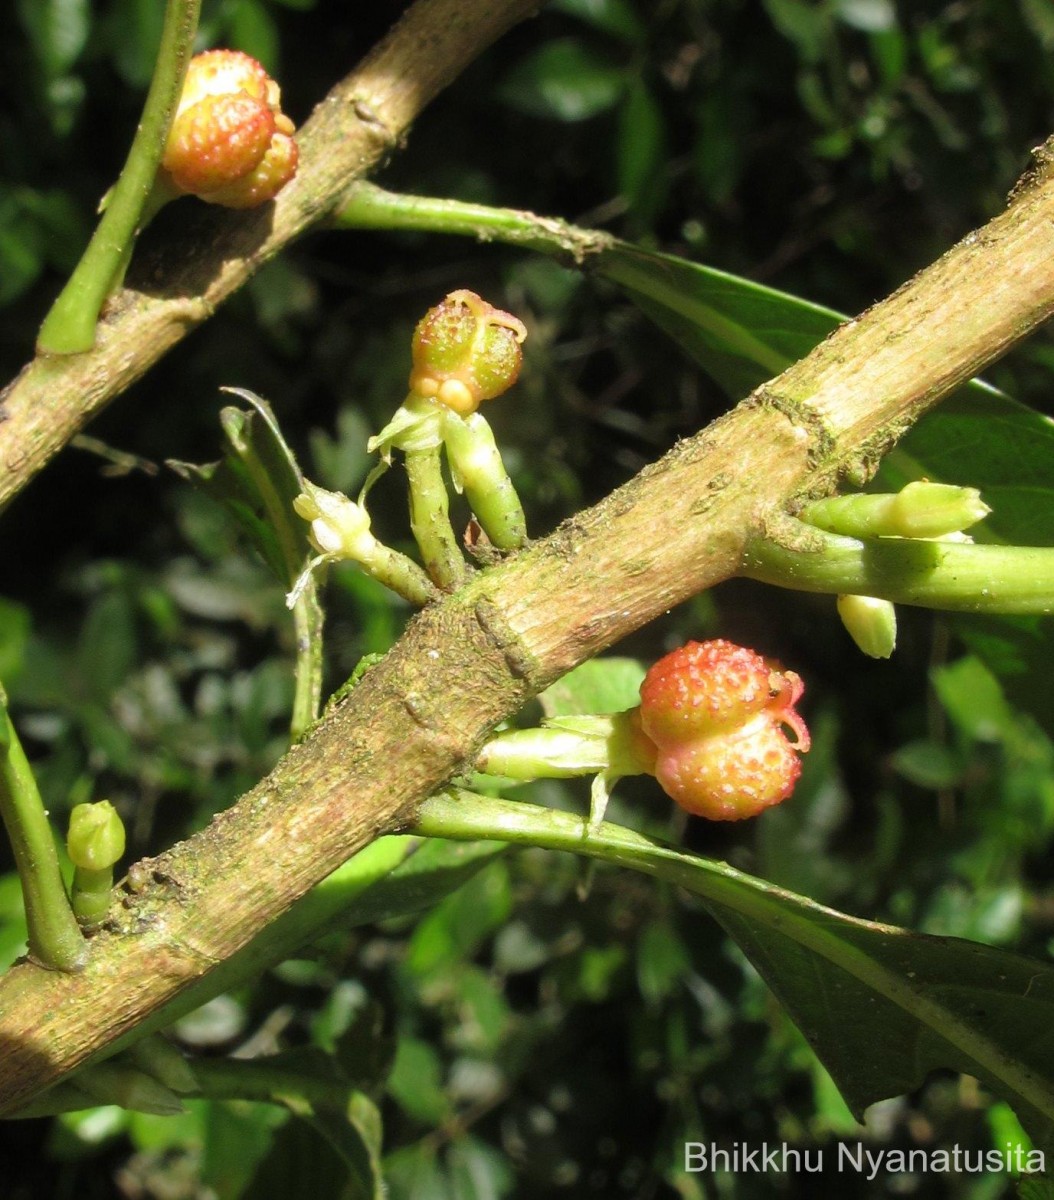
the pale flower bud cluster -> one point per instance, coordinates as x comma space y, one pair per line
340, 528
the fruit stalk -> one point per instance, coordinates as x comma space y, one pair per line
55, 939
69, 327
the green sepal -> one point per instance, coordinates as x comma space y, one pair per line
416, 425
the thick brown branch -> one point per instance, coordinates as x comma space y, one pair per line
463, 665
363, 119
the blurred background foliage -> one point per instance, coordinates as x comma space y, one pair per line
548, 1031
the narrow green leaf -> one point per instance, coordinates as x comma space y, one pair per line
300, 1162
347, 1134
429, 872
641, 150
257, 481
57, 29
740, 332
881, 1006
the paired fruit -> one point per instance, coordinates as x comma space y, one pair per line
230, 143
717, 715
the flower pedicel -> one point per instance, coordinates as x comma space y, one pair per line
711, 727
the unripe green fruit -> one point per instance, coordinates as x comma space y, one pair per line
95, 839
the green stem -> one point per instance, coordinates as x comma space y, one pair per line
91, 894
308, 621
256, 1079
69, 327
400, 575
55, 939
120, 1081
956, 576
270, 467
430, 518
371, 207
477, 465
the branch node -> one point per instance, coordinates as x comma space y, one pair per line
519, 660
368, 115
808, 424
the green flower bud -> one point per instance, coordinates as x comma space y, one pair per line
95, 840
465, 351
871, 623
919, 510
120, 1082
157, 1057
932, 510
477, 469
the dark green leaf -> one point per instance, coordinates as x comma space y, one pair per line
252, 29
740, 332
57, 29
601, 685
135, 35
416, 1082
236, 1137
641, 150
365, 1050
355, 1135
564, 80
881, 1006
300, 1162
453, 930
616, 17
